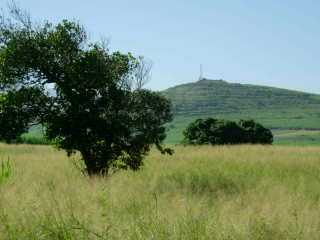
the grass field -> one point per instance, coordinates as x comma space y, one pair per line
297, 137
239, 192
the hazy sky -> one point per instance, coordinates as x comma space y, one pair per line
266, 42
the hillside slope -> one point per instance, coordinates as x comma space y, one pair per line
276, 108
218, 96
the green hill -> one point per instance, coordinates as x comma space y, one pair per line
279, 109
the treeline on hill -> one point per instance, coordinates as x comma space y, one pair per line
217, 132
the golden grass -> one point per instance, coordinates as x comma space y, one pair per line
238, 192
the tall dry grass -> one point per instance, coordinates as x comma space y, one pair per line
239, 192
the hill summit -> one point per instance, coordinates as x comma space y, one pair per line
212, 97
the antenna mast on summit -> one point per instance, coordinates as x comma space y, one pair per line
201, 73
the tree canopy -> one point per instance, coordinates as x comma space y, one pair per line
82, 93
216, 132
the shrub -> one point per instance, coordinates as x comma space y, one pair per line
255, 132
215, 132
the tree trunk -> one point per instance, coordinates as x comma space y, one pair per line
92, 164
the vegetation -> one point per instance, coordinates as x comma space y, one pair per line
255, 133
218, 132
299, 116
277, 109
226, 192
96, 105
90, 102
5, 171
18, 109
216, 96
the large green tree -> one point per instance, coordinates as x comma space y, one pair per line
82, 93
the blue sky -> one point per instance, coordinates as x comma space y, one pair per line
266, 42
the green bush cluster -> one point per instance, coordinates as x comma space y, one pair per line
217, 132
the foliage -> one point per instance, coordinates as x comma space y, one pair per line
92, 108
215, 132
19, 109
255, 132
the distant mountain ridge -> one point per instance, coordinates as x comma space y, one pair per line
219, 96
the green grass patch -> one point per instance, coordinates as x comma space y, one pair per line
225, 192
